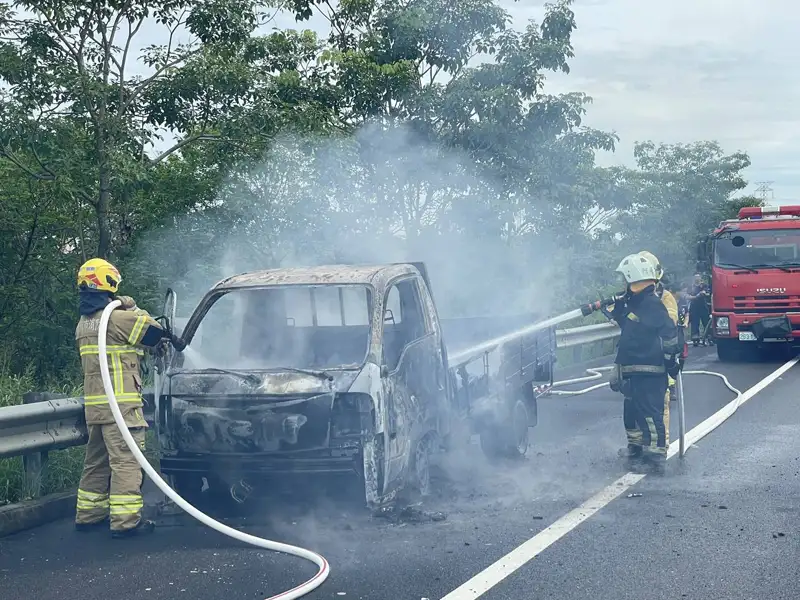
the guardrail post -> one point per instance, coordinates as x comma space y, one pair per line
35, 465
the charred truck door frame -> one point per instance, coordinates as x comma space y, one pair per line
412, 380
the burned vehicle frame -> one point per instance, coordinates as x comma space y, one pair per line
370, 392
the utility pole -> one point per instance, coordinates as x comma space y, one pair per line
764, 190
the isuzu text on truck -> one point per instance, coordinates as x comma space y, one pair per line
339, 370
755, 280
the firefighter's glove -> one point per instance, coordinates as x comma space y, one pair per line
161, 349
620, 310
177, 342
128, 303
672, 364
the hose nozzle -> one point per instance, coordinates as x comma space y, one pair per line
177, 342
588, 309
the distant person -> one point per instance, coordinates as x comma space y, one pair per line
647, 354
112, 479
699, 313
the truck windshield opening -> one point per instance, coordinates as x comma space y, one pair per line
294, 327
777, 248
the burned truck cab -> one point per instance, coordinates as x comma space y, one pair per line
302, 371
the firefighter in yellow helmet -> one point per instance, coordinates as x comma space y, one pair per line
671, 304
110, 486
646, 354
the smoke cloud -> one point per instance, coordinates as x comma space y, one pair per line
383, 195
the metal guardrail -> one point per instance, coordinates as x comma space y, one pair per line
589, 334
47, 422
40, 424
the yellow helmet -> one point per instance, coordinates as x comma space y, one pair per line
652, 257
99, 275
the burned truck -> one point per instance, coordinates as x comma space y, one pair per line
340, 369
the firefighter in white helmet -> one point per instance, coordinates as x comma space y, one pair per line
646, 355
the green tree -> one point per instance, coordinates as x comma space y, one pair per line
410, 62
680, 193
75, 112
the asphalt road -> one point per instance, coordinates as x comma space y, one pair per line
720, 524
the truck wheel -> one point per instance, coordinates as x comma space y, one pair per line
728, 351
518, 428
420, 467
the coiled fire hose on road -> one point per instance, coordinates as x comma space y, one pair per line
297, 592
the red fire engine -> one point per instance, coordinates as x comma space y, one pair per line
755, 280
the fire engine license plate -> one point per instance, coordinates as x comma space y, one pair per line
747, 336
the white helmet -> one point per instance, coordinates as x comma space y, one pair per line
635, 268
655, 261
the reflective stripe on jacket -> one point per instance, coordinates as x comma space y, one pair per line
125, 331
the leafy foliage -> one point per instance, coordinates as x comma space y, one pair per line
417, 129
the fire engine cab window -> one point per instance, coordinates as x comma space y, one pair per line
763, 248
302, 327
403, 320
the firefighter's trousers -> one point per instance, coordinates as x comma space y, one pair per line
646, 411
111, 484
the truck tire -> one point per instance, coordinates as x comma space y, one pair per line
419, 480
729, 350
509, 440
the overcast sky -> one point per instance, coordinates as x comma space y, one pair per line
686, 70
682, 71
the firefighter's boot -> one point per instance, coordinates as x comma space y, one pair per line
142, 527
631, 452
655, 463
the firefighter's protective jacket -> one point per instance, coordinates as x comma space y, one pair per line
649, 337
129, 331
669, 302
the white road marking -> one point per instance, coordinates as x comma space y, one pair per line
519, 556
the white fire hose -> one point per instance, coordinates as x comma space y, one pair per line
297, 592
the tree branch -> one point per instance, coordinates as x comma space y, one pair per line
61, 36
132, 31
168, 64
6, 153
145, 83
184, 142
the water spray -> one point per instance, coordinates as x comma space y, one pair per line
584, 311
296, 592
